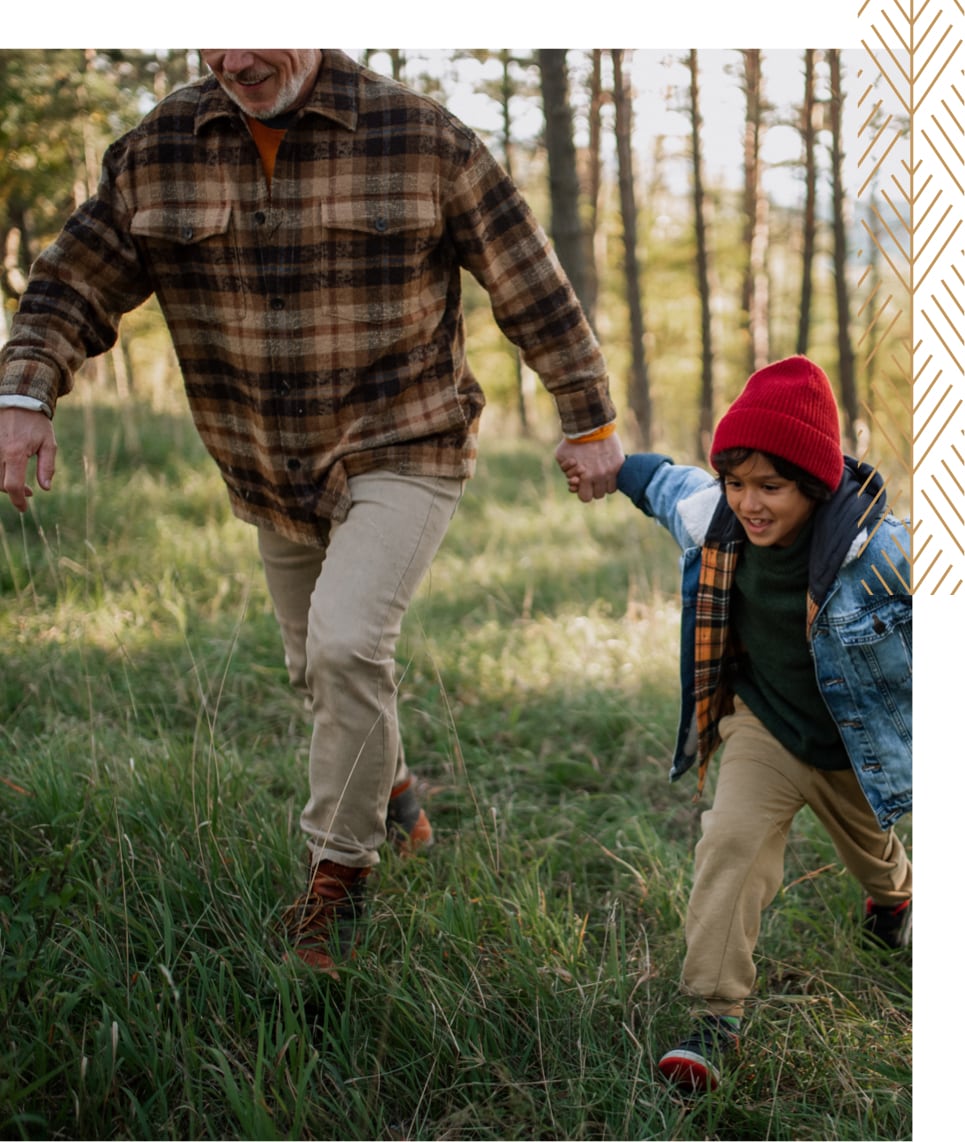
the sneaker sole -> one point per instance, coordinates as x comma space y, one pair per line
688, 1070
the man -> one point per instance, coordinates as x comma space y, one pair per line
303, 223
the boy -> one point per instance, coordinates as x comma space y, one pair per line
796, 654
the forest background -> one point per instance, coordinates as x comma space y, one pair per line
149, 741
702, 203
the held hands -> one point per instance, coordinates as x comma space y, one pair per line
24, 434
591, 469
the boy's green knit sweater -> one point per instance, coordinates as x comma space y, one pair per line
775, 675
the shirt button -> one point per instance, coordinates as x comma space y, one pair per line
187, 233
260, 217
277, 303
293, 464
381, 225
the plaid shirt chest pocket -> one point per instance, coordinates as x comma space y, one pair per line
384, 260
192, 251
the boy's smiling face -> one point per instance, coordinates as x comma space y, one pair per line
771, 509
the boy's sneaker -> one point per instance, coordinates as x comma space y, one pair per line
325, 919
407, 825
694, 1064
888, 925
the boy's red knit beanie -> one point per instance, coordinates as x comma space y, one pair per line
789, 410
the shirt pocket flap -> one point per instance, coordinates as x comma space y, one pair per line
382, 216
182, 224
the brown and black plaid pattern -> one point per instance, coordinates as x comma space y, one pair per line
318, 323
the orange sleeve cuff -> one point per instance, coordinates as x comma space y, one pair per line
596, 434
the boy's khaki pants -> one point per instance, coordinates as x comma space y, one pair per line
340, 609
740, 857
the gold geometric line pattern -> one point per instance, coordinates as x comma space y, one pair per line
912, 146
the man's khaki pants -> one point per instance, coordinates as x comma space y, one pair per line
340, 610
740, 857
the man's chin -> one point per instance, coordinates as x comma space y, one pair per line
262, 111
254, 107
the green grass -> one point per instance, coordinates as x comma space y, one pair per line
514, 984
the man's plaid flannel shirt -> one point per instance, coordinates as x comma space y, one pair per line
317, 321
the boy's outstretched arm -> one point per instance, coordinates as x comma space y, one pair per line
680, 497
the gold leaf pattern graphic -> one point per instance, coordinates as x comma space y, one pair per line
912, 164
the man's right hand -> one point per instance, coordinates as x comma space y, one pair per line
24, 434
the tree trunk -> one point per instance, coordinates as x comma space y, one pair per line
594, 180
397, 56
565, 225
506, 88
638, 396
849, 394
755, 216
705, 420
808, 224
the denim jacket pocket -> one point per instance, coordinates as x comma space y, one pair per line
863, 655
876, 640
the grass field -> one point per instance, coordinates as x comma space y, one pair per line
517, 982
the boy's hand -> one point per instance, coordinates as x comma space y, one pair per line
573, 471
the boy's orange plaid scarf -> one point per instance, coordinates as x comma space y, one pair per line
718, 563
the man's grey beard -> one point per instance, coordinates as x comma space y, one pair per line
283, 101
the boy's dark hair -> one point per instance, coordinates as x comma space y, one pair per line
725, 462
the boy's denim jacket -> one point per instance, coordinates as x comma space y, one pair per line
860, 633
